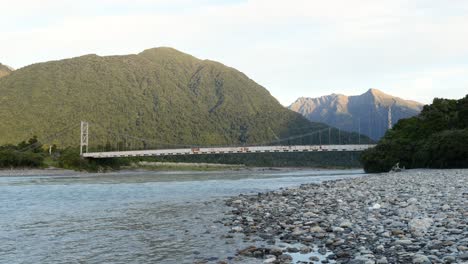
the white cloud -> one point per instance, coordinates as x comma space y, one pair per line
304, 47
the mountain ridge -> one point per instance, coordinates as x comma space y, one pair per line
367, 112
160, 94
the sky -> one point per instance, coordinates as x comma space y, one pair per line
414, 49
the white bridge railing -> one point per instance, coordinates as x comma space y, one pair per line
225, 150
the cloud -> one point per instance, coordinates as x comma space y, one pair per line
304, 47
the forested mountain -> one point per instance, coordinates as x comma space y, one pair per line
5, 70
367, 112
159, 94
436, 138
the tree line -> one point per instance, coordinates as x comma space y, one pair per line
436, 138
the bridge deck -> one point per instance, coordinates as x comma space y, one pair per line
225, 150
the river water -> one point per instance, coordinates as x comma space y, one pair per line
131, 217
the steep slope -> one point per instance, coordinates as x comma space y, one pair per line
367, 113
5, 70
160, 94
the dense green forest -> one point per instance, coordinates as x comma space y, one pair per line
161, 96
436, 138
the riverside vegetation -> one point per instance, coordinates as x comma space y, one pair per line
32, 154
436, 138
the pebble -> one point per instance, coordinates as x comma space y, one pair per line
413, 216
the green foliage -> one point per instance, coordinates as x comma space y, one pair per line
437, 138
160, 94
25, 154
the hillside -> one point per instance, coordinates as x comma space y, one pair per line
159, 94
370, 110
436, 138
5, 70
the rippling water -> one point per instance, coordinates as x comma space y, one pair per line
129, 217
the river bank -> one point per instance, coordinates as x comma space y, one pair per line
158, 167
415, 216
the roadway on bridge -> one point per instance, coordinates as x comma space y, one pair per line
225, 150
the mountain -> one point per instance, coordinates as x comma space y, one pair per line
5, 70
158, 97
367, 113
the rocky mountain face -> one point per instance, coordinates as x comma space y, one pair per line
160, 94
5, 70
367, 113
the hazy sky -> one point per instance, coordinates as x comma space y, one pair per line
415, 49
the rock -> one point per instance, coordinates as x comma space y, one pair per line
337, 229
419, 226
376, 206
316, 229
449, 259
285, 258
343, 254
276, 251
314, 258
382, 260
464, 256
361, 260
397, 232
403, 242
305, 250
237, 202
248, 251
380, 248
346, 224
421, 259
270, 260
309, 214
237, 229
292, 250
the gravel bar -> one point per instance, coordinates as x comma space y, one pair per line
414, 216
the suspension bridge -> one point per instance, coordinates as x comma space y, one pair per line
84, 143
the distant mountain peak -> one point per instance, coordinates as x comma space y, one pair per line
374, 91
367, 112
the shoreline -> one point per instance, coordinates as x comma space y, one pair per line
185, 168
415, 216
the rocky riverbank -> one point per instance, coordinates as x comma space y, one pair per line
415, 216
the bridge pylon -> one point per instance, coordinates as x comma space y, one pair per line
84, 137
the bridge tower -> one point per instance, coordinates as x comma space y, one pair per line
84, 137
390, 117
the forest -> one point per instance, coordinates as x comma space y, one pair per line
436, 138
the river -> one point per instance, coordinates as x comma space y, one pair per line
131, 217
